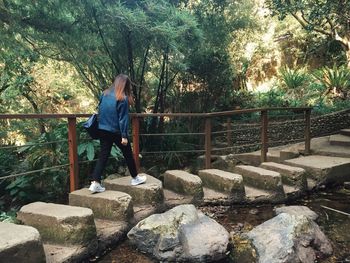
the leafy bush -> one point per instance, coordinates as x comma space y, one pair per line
336, 81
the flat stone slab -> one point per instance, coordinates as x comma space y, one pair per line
256, 195
339, 139
324, 169
20, 244
213, 197
291, 175
222, 181
254, 158
60, 224
110, 205
172, 199
150, 192
184, 183
110, 233
260, 178
67, 254
292, 192
321, 146
345, 132
143, 211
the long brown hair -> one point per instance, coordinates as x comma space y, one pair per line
122, 88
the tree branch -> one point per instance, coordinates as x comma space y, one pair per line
304, 23
104, 41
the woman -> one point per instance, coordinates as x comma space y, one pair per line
113, 128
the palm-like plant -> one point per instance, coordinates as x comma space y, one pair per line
294, 81
336, 80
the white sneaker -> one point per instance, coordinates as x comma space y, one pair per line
139, 179
96, 187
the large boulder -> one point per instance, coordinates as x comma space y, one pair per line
289, 238
181, 234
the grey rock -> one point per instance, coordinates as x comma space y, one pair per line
289, 239
181, 234
297, 210
347, 185
20, 244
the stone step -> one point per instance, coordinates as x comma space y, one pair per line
321, 146
257, 195
339, 139
60, 224
150, 192
213, 197
110, 205
172, 198
20, 244
260, 178
292, 191
254, 158
291, 175
345, 132
222, 181
323, 169
110, 233
184, 183
311, 184
56, 253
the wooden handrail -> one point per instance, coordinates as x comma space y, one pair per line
73, 158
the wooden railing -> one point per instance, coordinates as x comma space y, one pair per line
136, 117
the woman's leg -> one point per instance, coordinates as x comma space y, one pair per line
106, 142
127, 153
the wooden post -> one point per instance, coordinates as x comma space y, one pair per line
136, 140
307, 131
73, 155
207, 143
229, 133
264, 138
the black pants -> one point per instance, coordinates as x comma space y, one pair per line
106, 141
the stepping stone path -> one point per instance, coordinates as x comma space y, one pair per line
94, 222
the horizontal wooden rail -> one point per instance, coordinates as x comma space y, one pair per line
44, 116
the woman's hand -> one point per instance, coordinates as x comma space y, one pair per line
124, 141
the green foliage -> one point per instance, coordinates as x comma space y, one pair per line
336, 80
44, 152
9, 217
294, 83
329, 18
272, 98
293, 79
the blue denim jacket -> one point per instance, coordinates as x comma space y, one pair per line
114, 115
